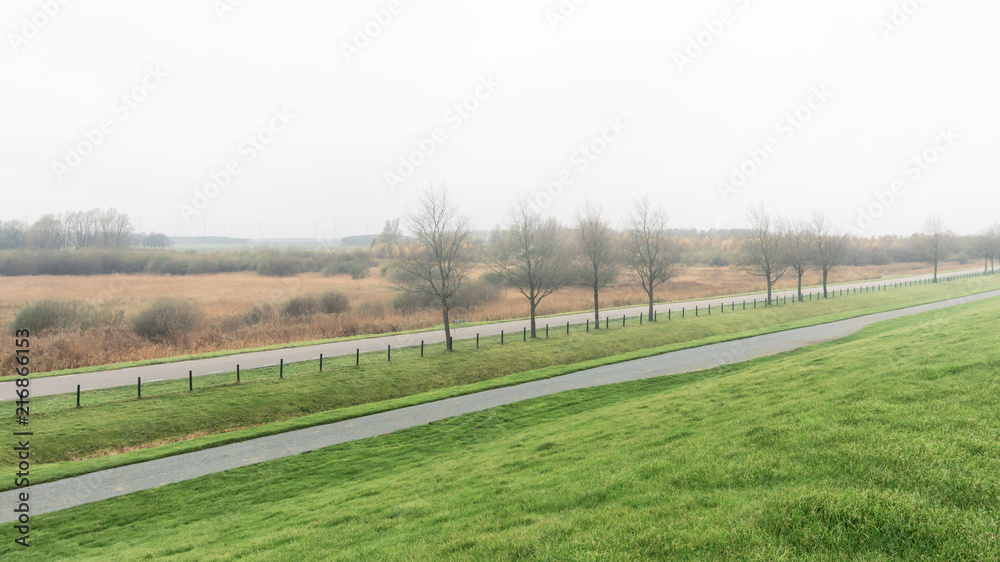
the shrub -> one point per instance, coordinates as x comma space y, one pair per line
406, 301
371, 307
359, 271
476, 293
279, 264
333, 302
493, 278
257, 314
302, 305
166, 320
167, 264
340, 263
203, 265
49, 315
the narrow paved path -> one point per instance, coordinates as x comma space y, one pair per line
71, 492
199, 367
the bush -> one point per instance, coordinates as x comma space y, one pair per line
166, 320
302, 305
257, 314
359, 271
167, 264
341, 263
54, 315
406, 301
276, 264
493, 278
371, 307
333, 302
476, 293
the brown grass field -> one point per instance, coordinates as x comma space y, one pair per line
230, 295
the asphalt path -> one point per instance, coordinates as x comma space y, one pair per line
72, 492
65, 384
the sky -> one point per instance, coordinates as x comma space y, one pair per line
305, 118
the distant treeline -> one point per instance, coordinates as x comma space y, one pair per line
96, 228
99, 242
104, 261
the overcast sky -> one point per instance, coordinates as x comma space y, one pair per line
298, 117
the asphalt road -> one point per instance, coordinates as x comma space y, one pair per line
71, 492
170, 371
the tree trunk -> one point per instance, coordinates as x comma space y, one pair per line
597, 309
935, 272
769, 285
825, 273
534, 305
800, 286
447, 328
650, 303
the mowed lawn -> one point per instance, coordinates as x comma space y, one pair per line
880, 446
114, 428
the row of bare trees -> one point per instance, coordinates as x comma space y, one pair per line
774, 247
988, 244
533, 254
537, 256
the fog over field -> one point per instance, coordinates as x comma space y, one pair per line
318, 119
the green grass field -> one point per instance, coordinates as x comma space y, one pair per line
113, 428
881, 446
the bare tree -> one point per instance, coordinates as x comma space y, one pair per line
760, 253
389, 241
156, 240
994, 237
81, 228
114, 229
530, 255
934, 243
47, 233
829, 245
12, 235
646, 248
983, 245
597, 260
798, 249
438, 260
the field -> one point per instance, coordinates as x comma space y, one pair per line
879, 447
225, 299
168, 420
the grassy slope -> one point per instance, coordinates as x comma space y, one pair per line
881, 446
114, 423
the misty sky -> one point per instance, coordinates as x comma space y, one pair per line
292, 118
